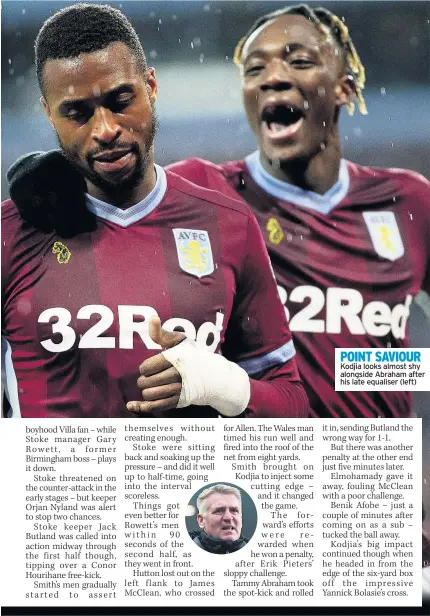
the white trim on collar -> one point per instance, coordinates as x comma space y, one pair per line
293, 194
125, 218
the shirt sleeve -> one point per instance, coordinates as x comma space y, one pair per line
10, 399
423, 199
258, 337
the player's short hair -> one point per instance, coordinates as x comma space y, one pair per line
219, 488
330, 25
84, 28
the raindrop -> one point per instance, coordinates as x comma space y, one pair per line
322, 146
160, 22
152, 14
179, 40
358, 131
289, 237
226, 57
410, 216
216, 265
306, 105
336, 51
131, 130
321, 91
287, 48
96, 91
324, 124
153, 54
10, 61
11, 71
201, 58
301, 237
392, 144
197, 41
23, 11
206, 8
388, 345
192, 45
346, 138
71, 90
383, 91
190, 282
394, 199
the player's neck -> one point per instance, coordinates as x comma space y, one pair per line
124, 199
317, 174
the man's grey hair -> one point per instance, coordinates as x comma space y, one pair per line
219, 488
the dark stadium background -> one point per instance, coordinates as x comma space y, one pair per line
191, 45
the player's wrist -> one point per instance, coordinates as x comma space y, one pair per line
209, 379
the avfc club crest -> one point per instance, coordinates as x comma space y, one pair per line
385, 234
194, 251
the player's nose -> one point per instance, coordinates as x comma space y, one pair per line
276, 76
105, 127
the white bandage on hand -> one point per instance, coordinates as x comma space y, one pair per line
209, 379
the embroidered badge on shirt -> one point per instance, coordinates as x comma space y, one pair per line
385, 234
275, 231
62, 252
194, 251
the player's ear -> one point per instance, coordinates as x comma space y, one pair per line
47, 110
200, 520
151, 85
344, 90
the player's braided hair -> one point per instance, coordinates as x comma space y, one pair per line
84, 28
330, 25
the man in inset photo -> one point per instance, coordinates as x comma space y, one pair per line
220, 520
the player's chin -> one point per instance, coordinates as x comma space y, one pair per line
282, 155
124, 180
231, 535
117, 178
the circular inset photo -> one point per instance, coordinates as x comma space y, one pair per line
221, 518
